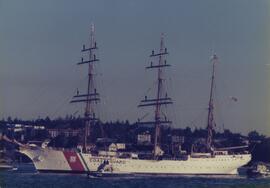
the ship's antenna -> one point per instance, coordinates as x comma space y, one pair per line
210, 119
91, 93
161, 96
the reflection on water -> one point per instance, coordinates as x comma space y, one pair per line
27, 177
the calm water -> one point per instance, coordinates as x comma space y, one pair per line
26, 177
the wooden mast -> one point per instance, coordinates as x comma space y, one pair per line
91, 93
210, 119
161, 96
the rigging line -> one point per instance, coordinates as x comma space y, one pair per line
44, 90
170, 84
131, 111
66, 99
38, 96
53, 115
144, 116
154, 84
219, 108
176, 118
193, 122
167, 88
148, 91
189, 108
103, 94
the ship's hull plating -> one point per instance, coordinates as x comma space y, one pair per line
51, 160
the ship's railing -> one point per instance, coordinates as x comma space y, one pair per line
63, 149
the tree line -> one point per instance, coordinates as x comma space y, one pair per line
126, 132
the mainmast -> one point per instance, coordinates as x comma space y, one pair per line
161, 98
91, 95
210, 119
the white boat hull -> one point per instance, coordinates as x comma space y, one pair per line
5, 167
51, 160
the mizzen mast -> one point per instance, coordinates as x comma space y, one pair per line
210, 119
91, 95
161, 98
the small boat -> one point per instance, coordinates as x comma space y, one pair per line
5, 165
259, 169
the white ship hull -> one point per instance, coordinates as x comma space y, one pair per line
51, 160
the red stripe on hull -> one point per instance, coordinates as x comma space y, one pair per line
73, 161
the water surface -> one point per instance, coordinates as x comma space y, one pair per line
26, 177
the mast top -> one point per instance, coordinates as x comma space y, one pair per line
92, 35
92, 27
214, 58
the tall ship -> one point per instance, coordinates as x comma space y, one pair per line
82, 160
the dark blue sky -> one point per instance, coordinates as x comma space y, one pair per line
40, 44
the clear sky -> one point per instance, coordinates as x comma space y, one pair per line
40, 44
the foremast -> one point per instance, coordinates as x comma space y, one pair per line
91, 96
161, 98
210, 118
